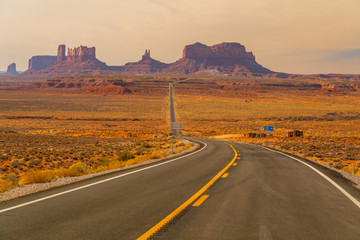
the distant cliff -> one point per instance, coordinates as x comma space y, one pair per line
229, 51
37, 63
223, 58
11, 70
80, 60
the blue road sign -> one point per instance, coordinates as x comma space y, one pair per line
269, 128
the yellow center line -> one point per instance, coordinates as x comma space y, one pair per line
234, 164
225, 175
201, 200
181, 208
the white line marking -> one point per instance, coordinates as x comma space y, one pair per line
102, 181
348, 195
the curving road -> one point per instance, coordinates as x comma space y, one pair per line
269, 196
265, 196
123, 208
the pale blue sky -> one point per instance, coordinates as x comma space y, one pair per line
295, 36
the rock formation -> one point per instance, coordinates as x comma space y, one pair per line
37, 63
229, 59
80, 54
220, 51
61, 53
220, 59
223, 58
146, 56
75, 55
80, 60
145, 65
11, 70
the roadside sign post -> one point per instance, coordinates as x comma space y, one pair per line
172, 143
270, 129
174, 126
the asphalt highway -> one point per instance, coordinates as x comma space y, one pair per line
270, 196
264, 195
123, 208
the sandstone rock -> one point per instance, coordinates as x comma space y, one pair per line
80, 60
80, 54
61, 53
145, 65
197, 51
11, 70
223, 58
232, 50
146, 56
220, 59
37, 63
222, 50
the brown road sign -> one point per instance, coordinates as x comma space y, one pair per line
177, 125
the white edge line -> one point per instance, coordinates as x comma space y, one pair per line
348, 195
102, 181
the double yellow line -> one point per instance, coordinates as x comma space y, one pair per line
181, 208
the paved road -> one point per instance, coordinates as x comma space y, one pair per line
269, 196
123, 208
265, 196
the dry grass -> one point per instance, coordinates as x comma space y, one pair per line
5, 185
80, 168
42, 176
329, 124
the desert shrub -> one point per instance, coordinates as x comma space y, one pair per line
66, 172
90, 162
37, 176
158, 155
125, 156
110, 165
179, 144
101, 162
115, 164
80, 167
189, 145
146, 145
351, 169
285, 147
43, 176
139, 150
339, 165
168, 145
5, 185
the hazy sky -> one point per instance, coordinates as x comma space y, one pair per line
295, 36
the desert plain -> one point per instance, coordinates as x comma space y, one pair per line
70, 126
